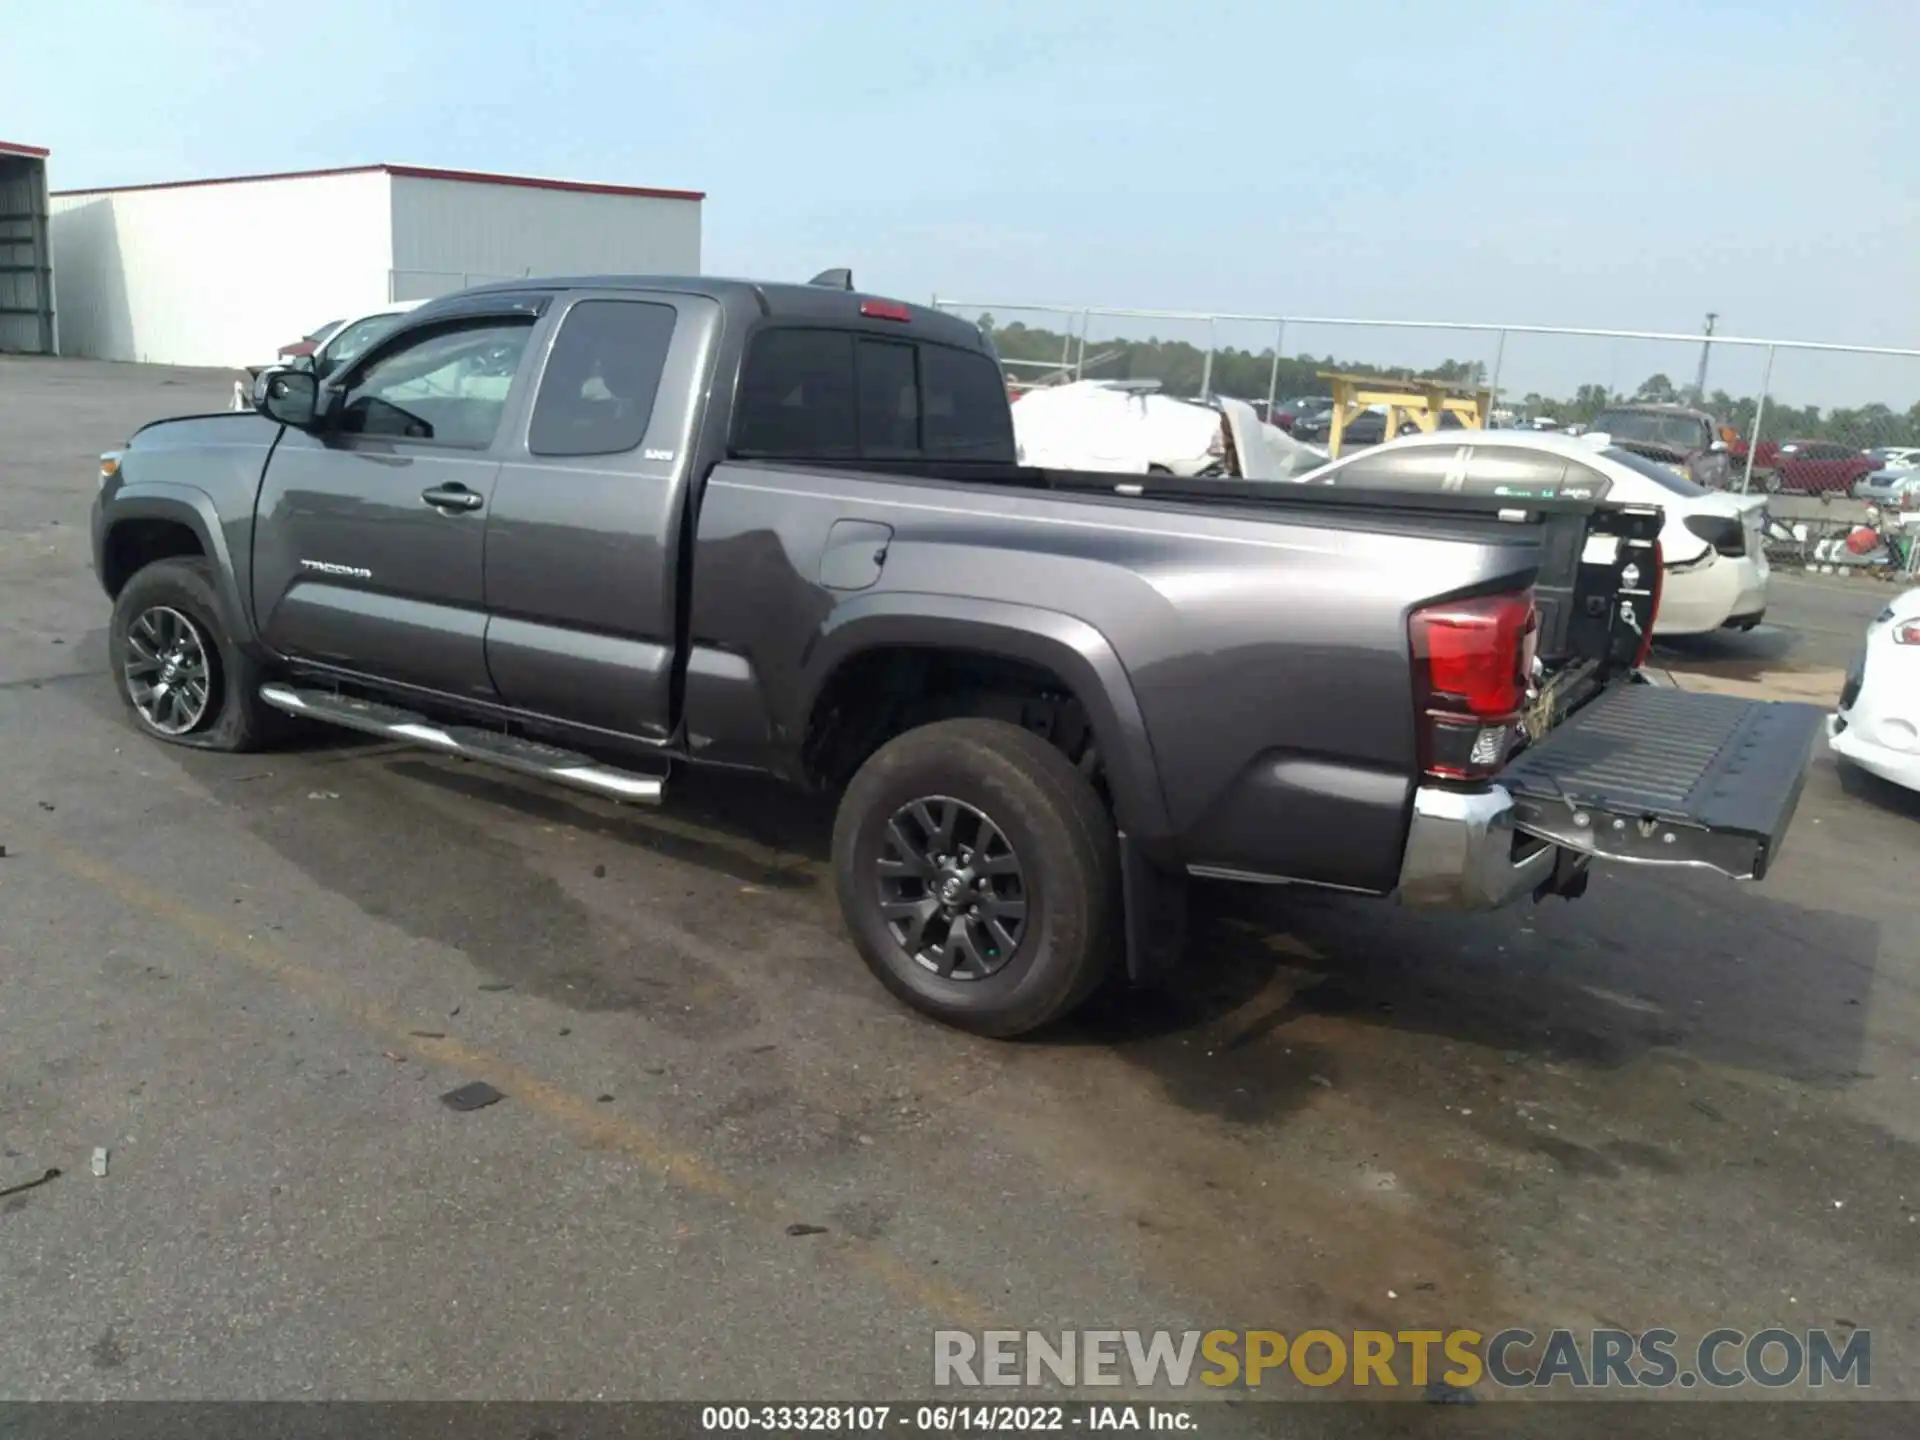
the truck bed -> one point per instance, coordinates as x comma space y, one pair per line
1577, 594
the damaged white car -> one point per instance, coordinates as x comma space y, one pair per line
1129, 427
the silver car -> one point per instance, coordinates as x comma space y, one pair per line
1894, 486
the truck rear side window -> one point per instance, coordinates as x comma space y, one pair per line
796, 397
834, 394
597, 395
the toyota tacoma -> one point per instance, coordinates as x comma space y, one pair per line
605, 530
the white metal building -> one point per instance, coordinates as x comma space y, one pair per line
26, 271
224, 272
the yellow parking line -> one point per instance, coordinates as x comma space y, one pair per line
588, 1121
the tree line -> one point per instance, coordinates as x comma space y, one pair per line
1181, 368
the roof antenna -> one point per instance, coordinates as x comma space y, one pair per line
834, 279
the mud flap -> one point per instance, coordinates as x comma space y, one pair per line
1155, 915
1647, 775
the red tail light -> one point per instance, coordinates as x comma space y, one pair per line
885, 310
1473, 662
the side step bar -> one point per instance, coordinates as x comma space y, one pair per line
490, 747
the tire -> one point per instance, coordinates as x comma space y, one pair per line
1063, 848
177, 600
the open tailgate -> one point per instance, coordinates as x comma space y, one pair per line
1655, 776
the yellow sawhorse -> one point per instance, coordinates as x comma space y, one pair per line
1420, 402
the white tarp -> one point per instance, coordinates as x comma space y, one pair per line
1095, 425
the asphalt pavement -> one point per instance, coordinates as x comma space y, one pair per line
726, 1165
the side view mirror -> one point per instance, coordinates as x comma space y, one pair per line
1719, 447
287, 395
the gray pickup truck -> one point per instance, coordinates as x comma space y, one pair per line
597, 530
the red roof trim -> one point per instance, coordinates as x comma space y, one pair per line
32, 152
414, 172
534, 182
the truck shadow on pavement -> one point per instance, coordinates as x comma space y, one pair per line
1664, 968
776, 823
1270, 992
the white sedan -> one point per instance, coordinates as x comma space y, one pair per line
1713, 542
352, 338
1877, 726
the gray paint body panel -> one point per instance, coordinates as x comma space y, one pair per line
1245, 668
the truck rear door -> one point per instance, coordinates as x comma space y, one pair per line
583, 562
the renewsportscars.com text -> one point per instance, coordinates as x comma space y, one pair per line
1654, 1359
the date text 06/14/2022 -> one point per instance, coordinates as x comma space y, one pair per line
945, 1419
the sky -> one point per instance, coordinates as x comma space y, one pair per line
1618, 164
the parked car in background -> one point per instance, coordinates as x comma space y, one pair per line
1813, 467
1287, 412
352, 338
310, 341
1712, 543
1369, 427
1877, 724
1895, 486
1896, 457
1688, 441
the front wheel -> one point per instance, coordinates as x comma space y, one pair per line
178, 670
979, 875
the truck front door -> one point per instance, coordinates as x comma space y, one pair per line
370, 532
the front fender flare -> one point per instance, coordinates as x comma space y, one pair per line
194, 508
1068, 646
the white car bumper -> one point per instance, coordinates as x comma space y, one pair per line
1901, 767
1704, 597
1877, 726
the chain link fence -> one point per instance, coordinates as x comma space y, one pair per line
1829, 432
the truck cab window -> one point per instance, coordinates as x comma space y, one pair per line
889, 400
796, 397
446, 386
597, 395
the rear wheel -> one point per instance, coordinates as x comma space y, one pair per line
979, 875
176, 666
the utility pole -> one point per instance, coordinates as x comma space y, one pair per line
1700, 377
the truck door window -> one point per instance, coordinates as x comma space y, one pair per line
446, 387
963, 397
597, 395
889, 399
796, 398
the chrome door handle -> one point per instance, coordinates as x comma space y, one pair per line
452, 497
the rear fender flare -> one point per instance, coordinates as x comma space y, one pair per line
1069, 647
193, 508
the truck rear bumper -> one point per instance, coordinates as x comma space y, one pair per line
1464, 852
1645, 775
